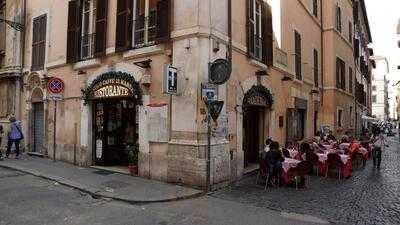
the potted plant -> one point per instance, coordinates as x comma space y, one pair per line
132, 160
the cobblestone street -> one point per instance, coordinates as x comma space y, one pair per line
369, 196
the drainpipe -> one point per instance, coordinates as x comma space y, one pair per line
22, 58
322, 53
230, 48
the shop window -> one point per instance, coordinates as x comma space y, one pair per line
297, 56
39, 42
260, 32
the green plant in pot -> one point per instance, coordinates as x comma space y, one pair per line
132, 159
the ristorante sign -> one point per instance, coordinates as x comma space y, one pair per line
113, 87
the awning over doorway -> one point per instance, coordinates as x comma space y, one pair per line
369, 119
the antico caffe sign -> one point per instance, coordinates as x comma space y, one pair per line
113, 87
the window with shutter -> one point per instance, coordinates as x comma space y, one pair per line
343, 75
338, 19
338, 76
73, 31
350, 31
123, 39
297, 56
151, 22
351, 80
88, 31
268, 36
101, 11
257, 23
356, 48
39, 42
355, 11
316, 69
315, 8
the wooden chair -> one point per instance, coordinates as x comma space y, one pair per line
357, 159
286, 153
301, 170
313, 159
263, 171
335, 161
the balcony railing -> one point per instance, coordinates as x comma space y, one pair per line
145, 30
87, 46
281, 57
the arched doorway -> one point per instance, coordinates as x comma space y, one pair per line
38, 122
256, 104
114, 97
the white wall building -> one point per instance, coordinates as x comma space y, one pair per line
380, 92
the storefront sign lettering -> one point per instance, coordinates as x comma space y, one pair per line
257, 100
112, 88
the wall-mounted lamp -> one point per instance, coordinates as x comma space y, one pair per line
143, 64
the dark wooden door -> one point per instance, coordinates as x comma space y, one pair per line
251, 135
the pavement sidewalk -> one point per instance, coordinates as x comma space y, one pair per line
100, 183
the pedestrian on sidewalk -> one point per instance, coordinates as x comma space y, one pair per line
379, 145
1, 136
14, 137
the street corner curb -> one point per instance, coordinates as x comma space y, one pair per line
96, 193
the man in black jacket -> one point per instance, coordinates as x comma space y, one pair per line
274, 159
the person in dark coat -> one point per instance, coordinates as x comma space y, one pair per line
14, 137
274, 159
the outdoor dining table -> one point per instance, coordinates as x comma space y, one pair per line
286, 165
323, 157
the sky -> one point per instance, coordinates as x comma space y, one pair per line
383, 16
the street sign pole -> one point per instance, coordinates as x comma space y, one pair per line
208, 157
54, 130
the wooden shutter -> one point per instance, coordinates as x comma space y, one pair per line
39, 42
298, 66
250, 27
343, 74
356, 48
337, 73
73, 31
355, 11
163, 21
123, 39
290, 127
350, 80
101, 28
268, 36
316, 71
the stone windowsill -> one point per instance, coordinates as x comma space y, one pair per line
143, 52
87, 64
258, 64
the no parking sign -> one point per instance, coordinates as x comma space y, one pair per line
55, 87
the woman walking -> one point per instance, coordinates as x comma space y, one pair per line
14, 137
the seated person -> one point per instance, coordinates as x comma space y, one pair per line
274, 159
317, 137
304, 148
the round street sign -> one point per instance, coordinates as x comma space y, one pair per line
219, 71
55, 85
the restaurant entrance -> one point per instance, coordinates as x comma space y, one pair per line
253, 118
115, 131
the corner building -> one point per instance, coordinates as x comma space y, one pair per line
112, 55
